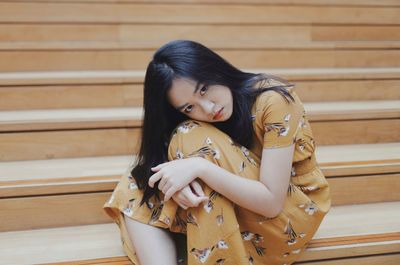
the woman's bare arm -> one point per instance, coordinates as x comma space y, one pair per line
265, 197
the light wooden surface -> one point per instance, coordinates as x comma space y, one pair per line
194, 13
124, 141
68, 143
55, 210
48, 134
79, 201
389, 259
55, 192
102, 241
217, 36
76, 96
137, 76
331, 158
61, 118
281, 2
255, 44
130, 59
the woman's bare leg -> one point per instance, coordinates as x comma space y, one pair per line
153, 245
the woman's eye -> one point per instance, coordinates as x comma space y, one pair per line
188, 109
203, 90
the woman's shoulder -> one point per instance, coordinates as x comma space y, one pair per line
272, 97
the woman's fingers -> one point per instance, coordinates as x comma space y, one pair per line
159, 166
197, 188
180, 199
193, 199
161, 184
183, 206
154, 178
170, 192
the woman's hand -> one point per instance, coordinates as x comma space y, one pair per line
175, 175
190, 196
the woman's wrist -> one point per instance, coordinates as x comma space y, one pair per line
202, 165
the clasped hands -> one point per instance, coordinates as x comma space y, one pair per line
178, 181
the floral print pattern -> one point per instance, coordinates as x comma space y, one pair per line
220, 232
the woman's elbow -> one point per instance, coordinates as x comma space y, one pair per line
274, 211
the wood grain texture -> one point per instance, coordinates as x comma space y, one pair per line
194, 14
349, 164
252, 2
55, 96
151, 36
103, 241
137, 76
121, 59
52, 211
72, 143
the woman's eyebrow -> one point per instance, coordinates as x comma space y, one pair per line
194, 92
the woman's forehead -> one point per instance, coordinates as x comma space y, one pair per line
181, 91
183, 82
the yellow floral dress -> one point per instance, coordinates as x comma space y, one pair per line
221, 232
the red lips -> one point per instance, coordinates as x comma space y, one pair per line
218, 114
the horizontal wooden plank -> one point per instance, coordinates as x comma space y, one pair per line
52, 211
365, 189
112, 261
88, 174
68, 143
50, 135
132, 117
345, 190
194, 14
30, 97
103, 240
348, 90
52, 36
137, 77
53, 60
389, 259
360, 33
356, 131
263, 2
90, 77
123, 141
347, 110
222, 44
366, 260
71, 96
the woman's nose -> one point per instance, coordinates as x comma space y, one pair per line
207, 107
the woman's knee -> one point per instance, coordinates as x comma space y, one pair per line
197, 138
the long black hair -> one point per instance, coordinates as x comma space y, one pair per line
192, 60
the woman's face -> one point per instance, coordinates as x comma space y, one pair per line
209, 103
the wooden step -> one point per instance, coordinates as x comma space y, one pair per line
340, 237
131, 94
45, 134
48, 189
177, 13
130, 59
52, 36
261, 44
35, 97
388, 259
21, 91
281, 2
137, 76
122, 117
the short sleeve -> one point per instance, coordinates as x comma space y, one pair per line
280, 119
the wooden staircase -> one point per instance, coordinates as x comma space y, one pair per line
71, 81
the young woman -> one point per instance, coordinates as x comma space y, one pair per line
227, 163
